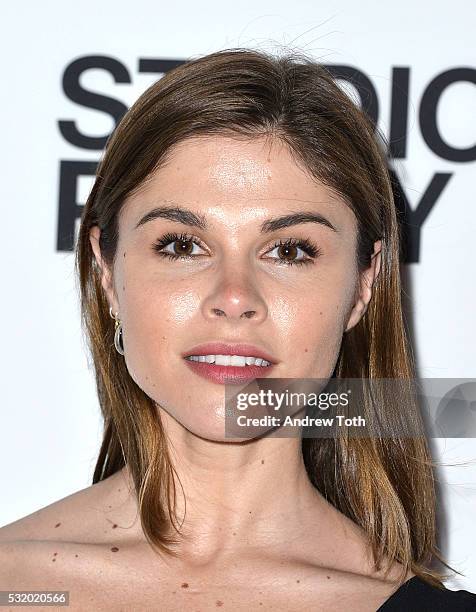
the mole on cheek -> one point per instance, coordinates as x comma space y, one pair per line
219, 603
57, 525
184, 585
114, 549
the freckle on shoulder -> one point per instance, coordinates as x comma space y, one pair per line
77, 517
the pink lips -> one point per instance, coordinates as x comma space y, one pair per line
226, 348
229, 374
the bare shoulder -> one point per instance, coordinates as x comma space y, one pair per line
356, 592
347, 574
56, 541
81, 516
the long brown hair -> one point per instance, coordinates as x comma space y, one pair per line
385, 485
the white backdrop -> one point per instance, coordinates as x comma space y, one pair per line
49, 410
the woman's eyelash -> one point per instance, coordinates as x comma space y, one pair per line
305, 244
169, 238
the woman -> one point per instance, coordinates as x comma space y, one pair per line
242, 208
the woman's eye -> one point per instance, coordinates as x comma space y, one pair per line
177, 247
291, 252
181, 248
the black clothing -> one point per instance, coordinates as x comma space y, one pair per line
415, 595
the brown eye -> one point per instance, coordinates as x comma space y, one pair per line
288, 252
295, 252
175, 246
184, 247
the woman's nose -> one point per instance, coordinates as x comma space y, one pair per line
235, 298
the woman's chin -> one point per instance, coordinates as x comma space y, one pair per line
221, 432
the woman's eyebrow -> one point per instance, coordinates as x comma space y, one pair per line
187, 217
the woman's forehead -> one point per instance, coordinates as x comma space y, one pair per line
235, 182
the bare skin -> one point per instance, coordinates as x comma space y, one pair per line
91, 544
257, 534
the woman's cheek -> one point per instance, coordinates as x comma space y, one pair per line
315, 331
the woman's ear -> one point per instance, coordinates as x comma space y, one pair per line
105, 271
364, 290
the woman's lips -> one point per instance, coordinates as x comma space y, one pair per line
229, 348
228, 374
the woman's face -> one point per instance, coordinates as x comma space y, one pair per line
299, 311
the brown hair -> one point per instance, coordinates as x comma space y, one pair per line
385, 485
